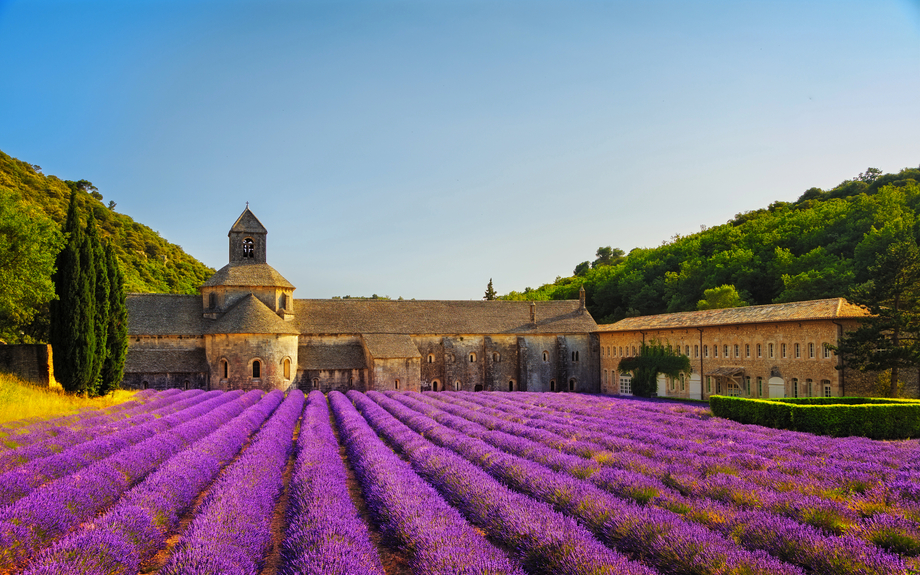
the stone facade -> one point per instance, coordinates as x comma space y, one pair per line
777, 350
246, 331
31, 362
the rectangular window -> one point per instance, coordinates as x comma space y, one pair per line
782, 348
715, 351
687, 350
795, 387
811, 350
747, 350
682, 382
625, 385
621, 352
708, 384
807, 388
634, 350
827, 387
718, 386
696, 351
827, 351
606, 381
705, 351
737, 352
759, 387
797, 351
725, 350
770, 350
758, 351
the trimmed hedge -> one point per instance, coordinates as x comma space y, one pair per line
872, 417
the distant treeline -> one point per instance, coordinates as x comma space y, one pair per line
819, 246
32, 210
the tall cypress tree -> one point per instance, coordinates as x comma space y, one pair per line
100, 294
117, 333
72, 326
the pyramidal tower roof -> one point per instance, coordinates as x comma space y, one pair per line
248, 223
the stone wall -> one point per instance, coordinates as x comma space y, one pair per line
327, 380
29, 362
161, 381
241, 351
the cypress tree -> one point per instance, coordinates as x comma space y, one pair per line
72, 327
117, 333
100, 296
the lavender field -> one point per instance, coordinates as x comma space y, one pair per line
193, 482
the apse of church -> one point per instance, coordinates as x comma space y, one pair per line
247, 331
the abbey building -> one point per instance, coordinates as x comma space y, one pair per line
246, 330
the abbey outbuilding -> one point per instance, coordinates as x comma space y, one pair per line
246, 330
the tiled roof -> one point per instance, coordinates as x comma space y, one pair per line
346, 316
164, 314
247, 275
141, 360
331, 356
248, 223
835, 308
250, 315
390, 345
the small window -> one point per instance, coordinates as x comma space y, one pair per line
621, 352
827, 351
545, 356
625, 385
705, 351
606, 379
248, 248
396, 384
256, 369
552, 385
457, 385
511, 385
496, 357
696, 351
472, 357
725, 350
186, 384
715, 351
808, 389
687, 350
146, 385
575, 356
434, 385
572, 384
795, 387
287, 368
224, 368
737, 353
770, 350
315, 383
759, 351
811, 350
826, 385
759, 387
283, 301
747, 350
682, 384
608, 350
782, 350
634, 350
708, 384
797, 351
212, 300
430, 358
747, 385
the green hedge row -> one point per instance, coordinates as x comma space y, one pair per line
874, 418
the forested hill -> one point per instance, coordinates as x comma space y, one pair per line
819, 246
150, 263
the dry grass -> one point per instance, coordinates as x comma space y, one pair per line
20, 400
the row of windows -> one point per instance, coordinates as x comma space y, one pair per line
256, 368
807, 388
497, 357
797, 351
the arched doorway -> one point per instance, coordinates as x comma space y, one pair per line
477, 388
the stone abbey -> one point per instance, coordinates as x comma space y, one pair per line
246, 330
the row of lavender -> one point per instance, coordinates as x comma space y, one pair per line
565, 460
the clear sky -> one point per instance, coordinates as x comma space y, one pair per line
419, 148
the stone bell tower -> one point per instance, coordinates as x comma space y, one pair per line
247, 239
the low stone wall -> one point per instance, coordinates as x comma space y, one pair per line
31, 362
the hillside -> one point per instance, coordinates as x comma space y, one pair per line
817, 247
33, 209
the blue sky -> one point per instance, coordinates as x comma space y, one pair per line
419, 148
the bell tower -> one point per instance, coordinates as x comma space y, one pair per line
247, 240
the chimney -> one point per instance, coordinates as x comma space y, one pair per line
533, 312
581, 298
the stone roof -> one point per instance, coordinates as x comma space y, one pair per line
250, 315
347, 316
331, 356
247, 275
390, 345
834, 308
140, 360
164, 314
248, 223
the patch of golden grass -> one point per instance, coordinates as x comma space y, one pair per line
21, 400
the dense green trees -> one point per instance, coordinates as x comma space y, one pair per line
817, 247
88, 332
722, 297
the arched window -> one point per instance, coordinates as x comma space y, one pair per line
545, 356
572, 384
287, 368
472, 357
224, 368
315, 383
146, 385
396, 384
248, 248
795, 387
496, 357
256, 369
434, 385
511, 385
457, 385
186, 384
284, 301
212, 300
430, 358
552, 385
